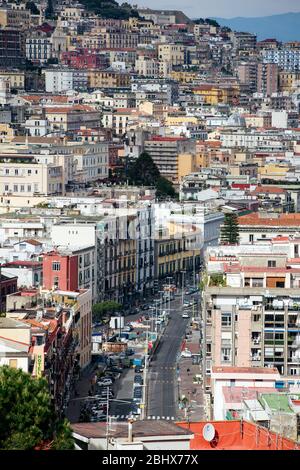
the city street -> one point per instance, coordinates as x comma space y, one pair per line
162, 382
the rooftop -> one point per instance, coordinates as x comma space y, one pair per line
139, 429
277, 402
244, 370
284, 220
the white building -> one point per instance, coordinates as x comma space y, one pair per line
60, 80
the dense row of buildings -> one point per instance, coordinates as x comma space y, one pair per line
218, 112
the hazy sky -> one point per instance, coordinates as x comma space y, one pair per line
223, 8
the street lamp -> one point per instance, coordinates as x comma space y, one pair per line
182, 294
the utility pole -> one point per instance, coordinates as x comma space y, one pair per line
182, 294
169, 279
144, 414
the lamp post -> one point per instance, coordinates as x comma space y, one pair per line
182, 294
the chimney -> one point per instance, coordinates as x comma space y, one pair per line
130, 431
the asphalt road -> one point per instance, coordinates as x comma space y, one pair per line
162, 383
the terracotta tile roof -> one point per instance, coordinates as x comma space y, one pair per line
69, 109
268, 190
284, 220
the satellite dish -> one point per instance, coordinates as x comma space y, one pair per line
209, 432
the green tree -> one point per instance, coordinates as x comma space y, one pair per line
230, 230
217, 280
143, 171
104, 308
27, 417
33, 8
164, 187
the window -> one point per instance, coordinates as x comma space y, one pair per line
271, 264
225, 354
257, 282
13, 363
55, 266
226, 319
251, 238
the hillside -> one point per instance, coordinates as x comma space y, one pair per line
110, 9
285, 27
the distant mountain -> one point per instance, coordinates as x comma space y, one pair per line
285, 27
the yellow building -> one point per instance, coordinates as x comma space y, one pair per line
187, 163
172, 53
173, 250
288, 81
108, 79
177, 120
6, 133
183, 77
274, 171
214, 95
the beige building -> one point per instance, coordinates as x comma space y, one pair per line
71, 118
81, 302
108, 79
15, 78
15, 342
172, 53
288, 81
22, 175
15, 16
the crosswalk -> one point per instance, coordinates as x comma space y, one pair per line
123, 417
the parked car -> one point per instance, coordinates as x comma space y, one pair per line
117, 370
185, 315
138, 369
127, 328
186, 353
104, 381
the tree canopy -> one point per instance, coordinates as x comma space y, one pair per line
33, 8
27, 417
230, 230
103, 308
144, 172
110, 9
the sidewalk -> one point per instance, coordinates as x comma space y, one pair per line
82, 387
194, 393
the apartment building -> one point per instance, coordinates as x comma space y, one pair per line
108, 79
70, 268
165, 153
62, 80
12, 47
171, 53
251, 307
259, 226
38, 47
288, 59
22, 174
14, 15
72, 118
15, 78
267, 78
